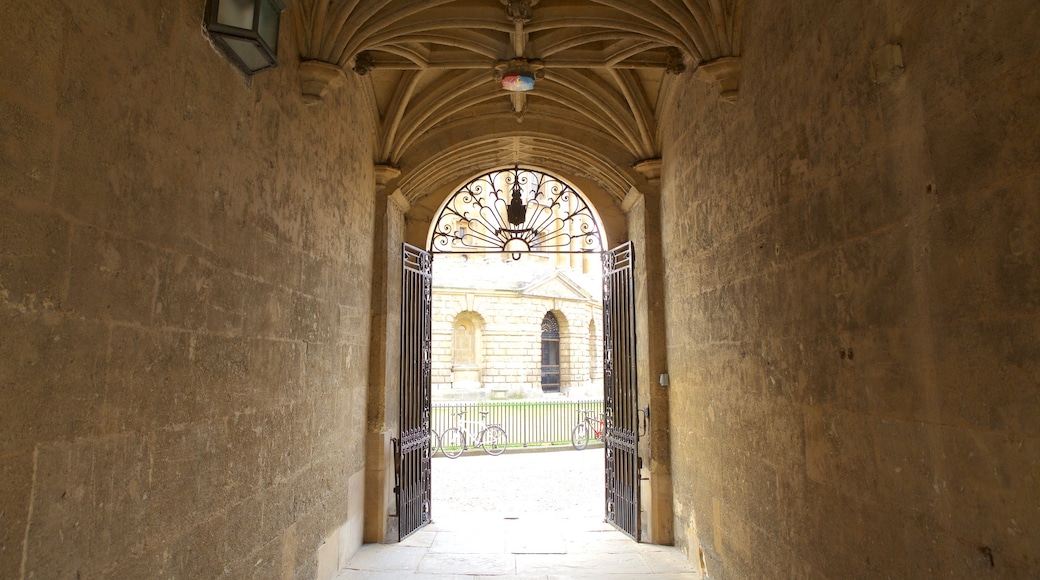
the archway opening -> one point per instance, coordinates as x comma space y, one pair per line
535, 238
530, 283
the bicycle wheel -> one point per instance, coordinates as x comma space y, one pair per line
493, 440
453, 442
435, 442
580, 436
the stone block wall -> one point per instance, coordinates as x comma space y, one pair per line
511, 352
185, 266
853, 295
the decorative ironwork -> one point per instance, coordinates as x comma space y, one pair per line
620, 396
516, 211
412, 447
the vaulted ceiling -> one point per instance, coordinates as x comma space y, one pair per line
605, 70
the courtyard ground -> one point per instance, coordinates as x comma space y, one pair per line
564, 483
518, 515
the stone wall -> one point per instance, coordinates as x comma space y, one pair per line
185, 266
853, 295
510, 357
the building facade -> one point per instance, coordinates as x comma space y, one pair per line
505, 329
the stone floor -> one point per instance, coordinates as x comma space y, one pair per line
519, 516
471, 545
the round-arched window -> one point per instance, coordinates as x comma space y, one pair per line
550, 354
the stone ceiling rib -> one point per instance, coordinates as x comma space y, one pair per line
342, 28
396, 111
415, 130
561, 42
395, 24
606, 104
638, 105
454, 167
423, 27
418, 61
602, 69
465, 40
662, 22
616, 58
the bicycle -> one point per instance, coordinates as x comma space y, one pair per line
435, 442
586, 427
490, 437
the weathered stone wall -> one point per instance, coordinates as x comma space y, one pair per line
185, 266
853, 296
511, 342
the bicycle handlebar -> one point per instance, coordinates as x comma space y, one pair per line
483, 416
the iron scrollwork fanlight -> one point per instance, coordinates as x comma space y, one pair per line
539, 214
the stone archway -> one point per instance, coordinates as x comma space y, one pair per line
639, 215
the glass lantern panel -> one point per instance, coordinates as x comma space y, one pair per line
250, 52
268, 28
237, 13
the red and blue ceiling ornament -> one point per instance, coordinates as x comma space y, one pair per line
518, 82
518, 75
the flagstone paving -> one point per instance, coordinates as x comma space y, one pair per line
519, 516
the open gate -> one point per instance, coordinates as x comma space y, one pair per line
516, 211
412, 447
620, 400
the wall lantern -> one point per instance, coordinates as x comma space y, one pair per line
248, 29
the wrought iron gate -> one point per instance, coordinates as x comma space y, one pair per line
620, 399
412, 447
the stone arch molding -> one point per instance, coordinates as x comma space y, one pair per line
604, 69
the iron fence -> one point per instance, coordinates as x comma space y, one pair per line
527, 423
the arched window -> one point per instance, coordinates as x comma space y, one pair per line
466, 358
465, 351
550, 354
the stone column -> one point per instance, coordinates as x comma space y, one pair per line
384, 363
643, 209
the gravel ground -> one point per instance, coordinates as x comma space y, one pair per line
564, 483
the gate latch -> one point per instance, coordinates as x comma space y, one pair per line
397, 464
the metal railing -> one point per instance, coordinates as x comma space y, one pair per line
527, 423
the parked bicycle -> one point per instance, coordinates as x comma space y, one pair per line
435, 442
490, 437
587, 428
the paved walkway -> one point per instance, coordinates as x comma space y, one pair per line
519, 515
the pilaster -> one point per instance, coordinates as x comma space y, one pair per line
643, 209
384, 361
